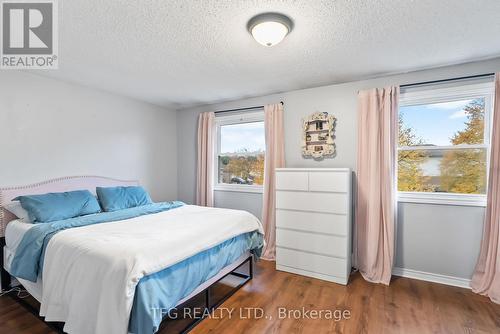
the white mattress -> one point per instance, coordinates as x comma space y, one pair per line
13, 235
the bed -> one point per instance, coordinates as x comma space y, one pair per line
125, 275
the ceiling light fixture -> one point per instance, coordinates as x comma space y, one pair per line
269, 29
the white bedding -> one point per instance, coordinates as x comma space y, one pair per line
14, 232
90, 273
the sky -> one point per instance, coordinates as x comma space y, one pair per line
237, 137
436, 123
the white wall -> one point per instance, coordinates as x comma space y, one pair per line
51, 129
431, 238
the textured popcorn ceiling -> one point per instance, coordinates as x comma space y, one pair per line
185, 52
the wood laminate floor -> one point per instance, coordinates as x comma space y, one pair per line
281, 302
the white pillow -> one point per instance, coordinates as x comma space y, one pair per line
17, 210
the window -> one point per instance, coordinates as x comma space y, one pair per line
240, 152
443, 144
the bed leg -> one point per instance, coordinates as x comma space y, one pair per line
207, 298
5, 278
251, 267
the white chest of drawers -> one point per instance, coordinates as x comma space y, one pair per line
313, 222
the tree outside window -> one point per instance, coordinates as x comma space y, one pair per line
240, 152
442, 147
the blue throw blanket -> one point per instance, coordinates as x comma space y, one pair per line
28, 260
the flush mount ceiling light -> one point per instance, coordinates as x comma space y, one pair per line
269, 29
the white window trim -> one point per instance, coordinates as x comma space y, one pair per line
442, 198
241, 188
436, 95
246, 117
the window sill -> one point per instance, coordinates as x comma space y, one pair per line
239, 188
442, 198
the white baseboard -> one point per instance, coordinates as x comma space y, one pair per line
431, 277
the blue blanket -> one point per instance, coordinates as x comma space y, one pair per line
28, 260
158, 293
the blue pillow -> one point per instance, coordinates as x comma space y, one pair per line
58, 206
119, 198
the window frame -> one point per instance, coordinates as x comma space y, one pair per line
232, 119
457, 92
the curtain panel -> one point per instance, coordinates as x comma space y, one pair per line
275, 158
375, 210
486, 277
205, 161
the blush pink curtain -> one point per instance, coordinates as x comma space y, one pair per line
486, 278
205, 163
376, 183
275, 158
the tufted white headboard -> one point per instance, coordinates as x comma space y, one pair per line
61, 184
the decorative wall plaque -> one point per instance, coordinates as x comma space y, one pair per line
318, 134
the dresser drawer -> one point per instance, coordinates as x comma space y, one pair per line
317, 243
310, 201
311, 262
328, 181
313, 221
292, 181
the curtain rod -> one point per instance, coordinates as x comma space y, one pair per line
242, 109
447, 80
